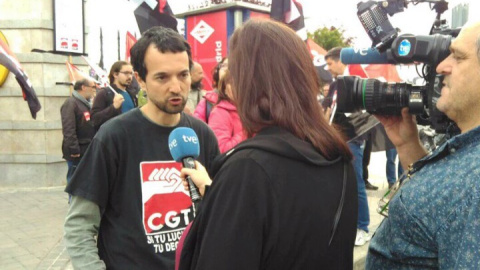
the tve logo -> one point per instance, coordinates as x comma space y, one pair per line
189, 139
404, 48
361, 51
172, 144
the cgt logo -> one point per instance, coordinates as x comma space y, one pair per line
166, 204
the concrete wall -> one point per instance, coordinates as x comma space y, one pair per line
30, 150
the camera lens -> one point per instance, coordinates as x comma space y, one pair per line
376, 97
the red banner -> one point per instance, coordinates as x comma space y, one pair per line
130, 40
387, 72
208, 36
254, 14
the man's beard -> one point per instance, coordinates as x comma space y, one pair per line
197, 85
125, 84
165, 107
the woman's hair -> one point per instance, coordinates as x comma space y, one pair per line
222, 87
274, 70
216, 73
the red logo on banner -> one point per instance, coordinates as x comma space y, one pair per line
207, 34
166, 205
202, 31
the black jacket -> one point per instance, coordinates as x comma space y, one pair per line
272, 205
77, 128
103, 110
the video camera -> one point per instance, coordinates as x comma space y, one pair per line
382, 98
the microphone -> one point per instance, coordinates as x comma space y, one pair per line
184, 147
363, 56
374, 19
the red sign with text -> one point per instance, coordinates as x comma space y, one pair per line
208, 36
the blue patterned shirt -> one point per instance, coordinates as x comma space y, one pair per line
434, 219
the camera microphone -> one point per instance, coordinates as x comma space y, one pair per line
184, 147
375, 21
363, 56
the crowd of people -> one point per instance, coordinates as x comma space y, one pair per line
282, 187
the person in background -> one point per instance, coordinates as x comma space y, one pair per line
109, 104
142, 98
224, 120
286, 197
128, 204
393, 171
206, 104
349, 125
196, 89
77, 127
367, 152
377, 140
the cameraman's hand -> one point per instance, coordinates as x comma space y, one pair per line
402, 131
199, 177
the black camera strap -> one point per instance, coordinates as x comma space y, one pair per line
340, 205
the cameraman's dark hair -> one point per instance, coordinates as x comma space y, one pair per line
116, 67
165, 40
333, 54
216, 72
78, 84
278, 91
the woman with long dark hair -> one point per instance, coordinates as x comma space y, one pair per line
286, 197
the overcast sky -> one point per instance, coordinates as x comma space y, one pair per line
416, 19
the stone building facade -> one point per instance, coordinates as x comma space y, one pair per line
30, 150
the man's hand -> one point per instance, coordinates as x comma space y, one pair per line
402, 131
199, 177
75, 155
117, 101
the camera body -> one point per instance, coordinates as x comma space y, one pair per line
382, 98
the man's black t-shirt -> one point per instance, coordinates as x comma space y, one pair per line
129, 172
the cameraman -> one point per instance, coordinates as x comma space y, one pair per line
434, 219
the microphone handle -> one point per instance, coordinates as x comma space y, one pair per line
189, 163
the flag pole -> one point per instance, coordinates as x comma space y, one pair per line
70, 60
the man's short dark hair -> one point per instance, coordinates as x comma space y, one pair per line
165, 40
333, 54
78, 84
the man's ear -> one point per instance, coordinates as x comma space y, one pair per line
143, 85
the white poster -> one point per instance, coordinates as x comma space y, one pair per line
68, 26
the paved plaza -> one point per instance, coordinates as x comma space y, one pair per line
31, 228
